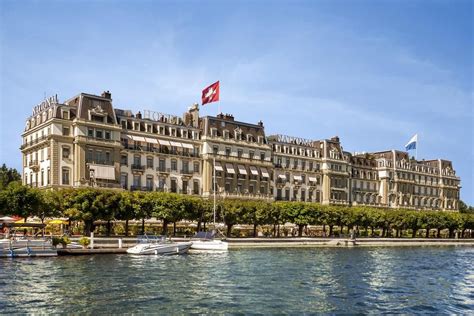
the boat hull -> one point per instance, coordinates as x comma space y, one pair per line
210, 245
160, 249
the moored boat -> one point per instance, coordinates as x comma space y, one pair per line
206, 242
148, 245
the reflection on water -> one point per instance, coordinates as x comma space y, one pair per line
354, 280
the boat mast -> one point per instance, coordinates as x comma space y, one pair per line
214, 189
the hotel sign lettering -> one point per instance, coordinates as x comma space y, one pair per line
161, 117
47, 103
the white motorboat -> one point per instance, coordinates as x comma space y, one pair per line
148, 245
206, 242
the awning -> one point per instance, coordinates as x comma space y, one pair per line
299, 178
253, 170
218, 167
103, 172
242, 169
151, 140
138, 138
282, 176
129, 136
176, 144
264, 172
312, 179
189, 146
230, 168
164, 142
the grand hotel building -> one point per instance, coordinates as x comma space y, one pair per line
84, 141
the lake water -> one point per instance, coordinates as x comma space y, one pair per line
292, 281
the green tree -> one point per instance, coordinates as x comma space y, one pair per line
126, 207
20, 200
8, 175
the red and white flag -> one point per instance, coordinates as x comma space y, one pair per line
211, 93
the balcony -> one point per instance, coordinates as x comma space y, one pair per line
138, 167
35, 141
186, 172
163, 170
140, 188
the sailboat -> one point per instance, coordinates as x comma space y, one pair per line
205, 240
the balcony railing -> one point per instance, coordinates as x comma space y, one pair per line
33, 163
138, 167
184, 171
163, 170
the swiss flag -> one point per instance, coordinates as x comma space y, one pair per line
211, 93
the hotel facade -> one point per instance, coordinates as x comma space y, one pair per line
84, 141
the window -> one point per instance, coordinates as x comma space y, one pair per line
65, 177
107, 135
174, 165
66, 131
149, 162
137, 181
65, 115
48, 176
107, 158
185, 187
174, 187
227, 151
149, 183
66, 152
137, 160
239, 153
124, 160
196, 187
251, 154
196, 167
98, 134
262, 156
42, 177
124, 180
215, 150
90, 132
186, 166
162, 165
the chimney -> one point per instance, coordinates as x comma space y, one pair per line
260, 123
139, 115
107, 95
335, 139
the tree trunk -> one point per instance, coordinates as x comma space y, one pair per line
330, 230
87, 228
204, 226
126, 228
229, 229
371, 231
438, 234
165, 227
174, 229
451, 233
143, 226
427, 233
413, 232
254, 230
341, 229
199, 226
274, 230
462, 232
324, 230
397, 233
278, 230
300, 230
383, 232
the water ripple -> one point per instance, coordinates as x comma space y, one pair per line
435, 280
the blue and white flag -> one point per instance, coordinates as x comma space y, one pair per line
412, 143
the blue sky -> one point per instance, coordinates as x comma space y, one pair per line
372, 72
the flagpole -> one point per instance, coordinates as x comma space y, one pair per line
416, 149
